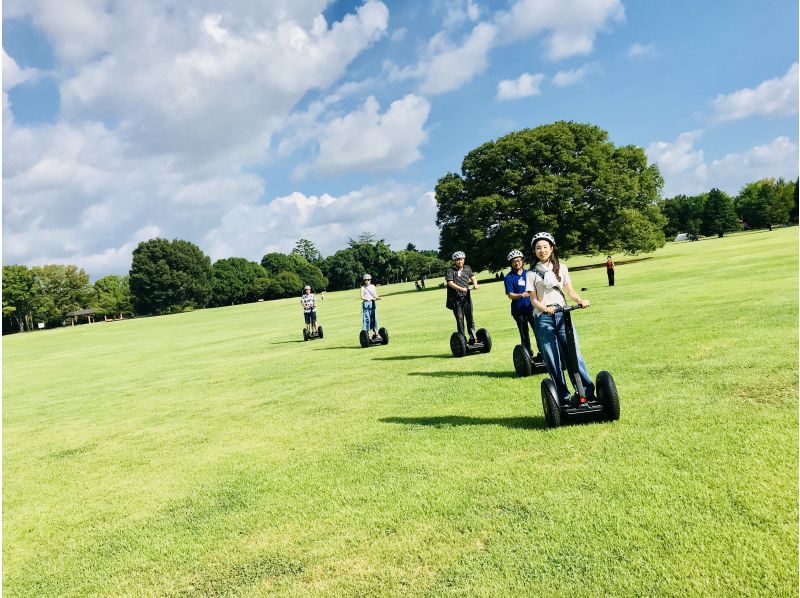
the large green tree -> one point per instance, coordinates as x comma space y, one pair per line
307, 249
295, 263
233, 281
111, 296
19, 298
169, 276
684, 214
566, 178
60, 289
343, 269
719, 216
764, 203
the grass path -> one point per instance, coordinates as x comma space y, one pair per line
216, 453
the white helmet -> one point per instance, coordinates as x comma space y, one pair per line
459, 255
515, 253
540, 236
367, 277
307, 288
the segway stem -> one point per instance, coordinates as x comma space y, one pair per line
572, 351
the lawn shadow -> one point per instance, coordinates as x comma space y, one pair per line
410, 357
354, 346
299, 340
444, 421
459, 373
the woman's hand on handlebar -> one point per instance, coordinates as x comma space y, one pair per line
550, 309
583, 302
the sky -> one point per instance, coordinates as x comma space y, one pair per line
244, 126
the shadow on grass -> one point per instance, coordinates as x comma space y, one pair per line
299, 340
410, 357
337, 347
444, 421
461, 373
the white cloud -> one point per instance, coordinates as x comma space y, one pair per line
13, 75
570, 26
772, 98
522, 87
395, 212
460, 12
641, 50
686, 170
570, 77
368, 140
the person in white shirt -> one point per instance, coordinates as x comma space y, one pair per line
546, 283
369, 295
309, 303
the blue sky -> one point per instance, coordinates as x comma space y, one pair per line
244, 126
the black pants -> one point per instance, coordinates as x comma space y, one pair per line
522, 320
462, 309
610, 277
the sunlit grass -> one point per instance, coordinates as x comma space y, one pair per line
215, 452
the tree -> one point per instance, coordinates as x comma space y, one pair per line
59, 289
793, 213
19, 297
683, 214
111, 296
309, 274
343, 269
169, 276
411, 247
285, 284
275, 263
307, 249
765, 203
566, 178
719, 217
233, 281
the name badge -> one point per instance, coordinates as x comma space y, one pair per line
522, 282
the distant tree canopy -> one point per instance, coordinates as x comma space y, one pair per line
111, 296
683, 214
169, 276
294, 263
60, 289
719, 217
307, 249
765, 203
234, 281
19, 298
565, 178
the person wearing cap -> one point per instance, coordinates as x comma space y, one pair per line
458, 277
517, 290
369, 295
309, 303
547, 282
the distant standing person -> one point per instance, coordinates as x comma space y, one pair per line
458, 277
309, 303
369, 295
610, 270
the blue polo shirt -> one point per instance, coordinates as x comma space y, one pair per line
515, 283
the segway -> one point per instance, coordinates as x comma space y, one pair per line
308, 336
369, 341
605, 403
526, 364
460, 347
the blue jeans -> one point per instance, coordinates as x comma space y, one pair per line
552, 342
370, 313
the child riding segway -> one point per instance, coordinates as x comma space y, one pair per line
458, 278
369, 312
309, 303
558, 342
525, 362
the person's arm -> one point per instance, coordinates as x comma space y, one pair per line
571, 292
474, 282
362, 294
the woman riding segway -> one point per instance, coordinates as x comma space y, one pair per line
458, 278
369, 312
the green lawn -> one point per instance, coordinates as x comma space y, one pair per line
216, 453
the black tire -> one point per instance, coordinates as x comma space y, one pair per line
319, 331
522, 361
363, 338
384, 334
305, 334
483, 337
458, 344
552, 412
607, 394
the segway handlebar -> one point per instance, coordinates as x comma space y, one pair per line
563, 308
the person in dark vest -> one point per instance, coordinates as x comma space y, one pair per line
610, 270
458, 278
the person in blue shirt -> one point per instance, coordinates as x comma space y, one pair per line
516, 290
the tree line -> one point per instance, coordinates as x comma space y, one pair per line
169, 276
760, 204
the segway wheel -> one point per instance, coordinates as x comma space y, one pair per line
319, 331
458, 344
305, 334
483, 337
363, 338
607, 395
384, 334
522, 361
552, 412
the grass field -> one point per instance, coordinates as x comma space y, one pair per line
216, 453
